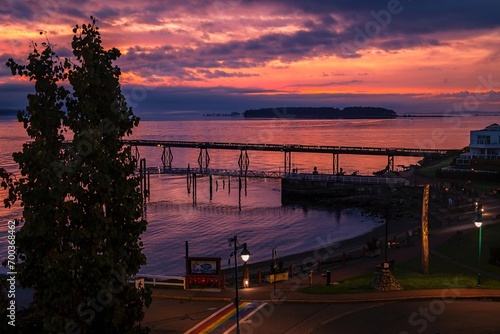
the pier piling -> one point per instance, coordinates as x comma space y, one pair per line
211, 187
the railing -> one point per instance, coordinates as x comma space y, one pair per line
218, 172
348, 178
292, 148
279, 174
160, 280
472, 171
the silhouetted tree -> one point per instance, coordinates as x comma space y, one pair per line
80, 242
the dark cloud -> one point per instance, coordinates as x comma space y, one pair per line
365, 24
106, 13
340, 28
405, 43
14, 10
330, 83
223, 74
414, 16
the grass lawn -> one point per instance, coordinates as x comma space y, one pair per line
466, 250
431, 170
442, 274
484, 186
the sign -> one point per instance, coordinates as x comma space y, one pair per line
203, 267
204, 272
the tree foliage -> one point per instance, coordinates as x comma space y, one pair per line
8, 183
80, 242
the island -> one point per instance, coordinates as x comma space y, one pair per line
321, 113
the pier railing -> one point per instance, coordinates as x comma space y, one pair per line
348, 179
280, 174
216, 172
394, 151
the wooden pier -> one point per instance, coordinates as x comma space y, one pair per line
292, 180
287, 150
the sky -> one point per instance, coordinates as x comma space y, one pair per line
186, 57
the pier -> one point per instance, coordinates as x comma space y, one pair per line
292, 180
286, 149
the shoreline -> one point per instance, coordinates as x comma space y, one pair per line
402, 211
331, 253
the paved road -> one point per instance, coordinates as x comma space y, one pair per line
431, 316
399, 317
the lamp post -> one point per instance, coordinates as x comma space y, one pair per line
478, 221
245, 255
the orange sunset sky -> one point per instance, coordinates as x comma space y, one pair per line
185, 57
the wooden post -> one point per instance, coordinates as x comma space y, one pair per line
424, 267
211, 183
148, 192
194, 187
188, 180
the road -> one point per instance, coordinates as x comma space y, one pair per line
399, 317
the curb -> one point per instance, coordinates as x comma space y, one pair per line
495, 297
217, 299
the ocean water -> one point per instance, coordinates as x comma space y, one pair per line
255, 213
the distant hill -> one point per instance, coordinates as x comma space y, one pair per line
8, 113
321, 113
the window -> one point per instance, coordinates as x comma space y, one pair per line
483, 139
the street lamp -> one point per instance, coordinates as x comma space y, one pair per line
245, 255
478, 221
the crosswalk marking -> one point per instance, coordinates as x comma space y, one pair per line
224, 320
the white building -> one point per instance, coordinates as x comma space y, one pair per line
484, 144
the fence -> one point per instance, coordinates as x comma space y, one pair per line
160, 280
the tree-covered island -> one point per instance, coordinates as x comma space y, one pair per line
321, 113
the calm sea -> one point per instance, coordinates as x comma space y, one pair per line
256, 216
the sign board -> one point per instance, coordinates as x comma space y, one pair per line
203, 266
204, 272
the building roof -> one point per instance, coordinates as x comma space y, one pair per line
492, 127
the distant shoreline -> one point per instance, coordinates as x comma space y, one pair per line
8, 113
